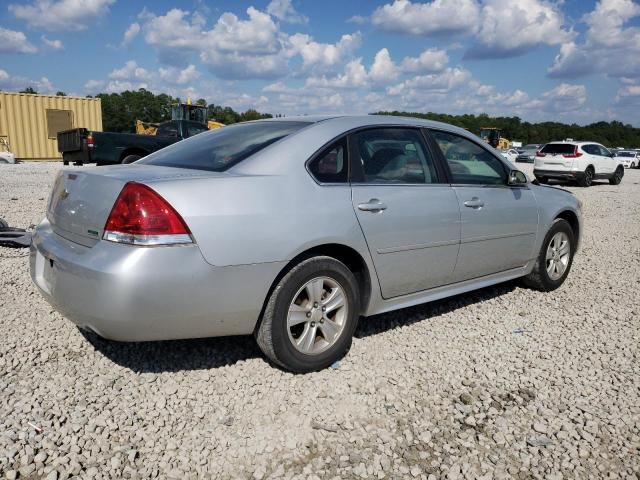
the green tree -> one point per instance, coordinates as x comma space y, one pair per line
61, 93
28, 90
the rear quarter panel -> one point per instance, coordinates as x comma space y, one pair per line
246, 219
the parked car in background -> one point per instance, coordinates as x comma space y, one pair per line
81, 146
510, 154
628, 158
581, 162
291, 229
527, 154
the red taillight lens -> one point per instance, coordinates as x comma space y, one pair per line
141, 216
540, 154
90, 141
575, 153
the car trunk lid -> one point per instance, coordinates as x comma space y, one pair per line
81, 200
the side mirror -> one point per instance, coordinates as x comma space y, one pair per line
516, 177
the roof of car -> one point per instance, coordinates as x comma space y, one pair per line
355, 121
573, 142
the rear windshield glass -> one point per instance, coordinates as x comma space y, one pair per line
532, 146
558, 148
223, 148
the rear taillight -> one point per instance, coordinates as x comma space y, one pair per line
540, 154
575, 153
141, 216
89, 140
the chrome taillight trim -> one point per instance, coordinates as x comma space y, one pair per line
147, 240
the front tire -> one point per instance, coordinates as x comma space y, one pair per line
310, 316
617, 176
555, 258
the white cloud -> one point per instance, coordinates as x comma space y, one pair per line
509, 28
12, 41
431, 60
609, 47
177, 76
52, 44
130, 71
323, 55
445, 81
285, 11
438, 17
16, 83
61, 14
355, 75
383, 69
565, 97
130, 34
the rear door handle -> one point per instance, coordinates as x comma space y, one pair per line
475, 202
373, 205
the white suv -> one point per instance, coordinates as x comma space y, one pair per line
582, 162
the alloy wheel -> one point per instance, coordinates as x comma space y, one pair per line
558, 255
317, 315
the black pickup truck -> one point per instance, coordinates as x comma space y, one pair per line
81, 146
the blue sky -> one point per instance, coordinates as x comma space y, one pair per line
571, 61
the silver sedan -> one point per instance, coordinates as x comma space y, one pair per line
292, 229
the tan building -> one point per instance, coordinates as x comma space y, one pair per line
30, 122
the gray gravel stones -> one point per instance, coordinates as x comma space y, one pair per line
443, 390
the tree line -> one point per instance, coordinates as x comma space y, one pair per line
611, 134
121, 110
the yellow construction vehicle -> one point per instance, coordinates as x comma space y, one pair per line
180, 111
493, 136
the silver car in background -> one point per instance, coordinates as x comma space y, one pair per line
291, 229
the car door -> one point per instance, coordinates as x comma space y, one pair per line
608, 162
499, 222
594, 158
409, 216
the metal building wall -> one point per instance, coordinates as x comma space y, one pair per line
23, 121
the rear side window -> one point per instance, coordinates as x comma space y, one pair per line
468, 162
591, 149
558, 148
221, 149
330, 166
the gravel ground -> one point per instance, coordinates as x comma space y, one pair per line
504, 382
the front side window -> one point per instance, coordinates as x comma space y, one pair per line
394, 155
468, 162
603, 151
221, 149
330, 166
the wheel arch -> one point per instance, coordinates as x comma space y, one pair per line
343, 253
572, 219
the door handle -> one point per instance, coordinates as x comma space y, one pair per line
475, 202
373, 205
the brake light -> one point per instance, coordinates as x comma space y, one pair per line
575, 153
140, 216
540, 154
89, 140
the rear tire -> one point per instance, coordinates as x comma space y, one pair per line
302, 329
617, 176
587, 180
544, 276
130, 159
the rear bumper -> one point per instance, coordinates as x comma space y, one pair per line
132, 293
559, 174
